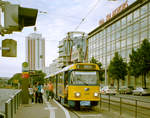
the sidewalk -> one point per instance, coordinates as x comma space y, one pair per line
32, 111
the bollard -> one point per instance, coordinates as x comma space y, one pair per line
135, 108
100, 101
6, 109
109, 103
120, 106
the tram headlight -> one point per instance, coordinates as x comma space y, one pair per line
96, 94
77, 94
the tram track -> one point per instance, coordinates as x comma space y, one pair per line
86, 113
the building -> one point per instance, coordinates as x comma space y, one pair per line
72, 48
35, 51
125, 29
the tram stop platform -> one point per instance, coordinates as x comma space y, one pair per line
53, 110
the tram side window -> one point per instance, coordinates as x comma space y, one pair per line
71, 78
66, 78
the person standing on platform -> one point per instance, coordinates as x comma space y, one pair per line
40, 98
31, 93
50, 89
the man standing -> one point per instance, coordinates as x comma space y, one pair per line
50, 89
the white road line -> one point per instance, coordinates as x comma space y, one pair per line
66, 112
50, 108
91, 115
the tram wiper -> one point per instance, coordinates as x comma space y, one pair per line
82, 81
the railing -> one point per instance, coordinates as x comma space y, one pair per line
125, 107
12, 105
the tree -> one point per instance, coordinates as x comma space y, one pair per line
134, 64
144, 52
117, 69
15, 79
93, 60
38, 76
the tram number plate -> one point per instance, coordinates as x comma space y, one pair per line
85, 103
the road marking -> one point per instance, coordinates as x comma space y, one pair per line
66, 112
50, 108
90, 115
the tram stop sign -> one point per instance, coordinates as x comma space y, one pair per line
25, 75
25, 67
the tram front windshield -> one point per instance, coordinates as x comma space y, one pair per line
84, 77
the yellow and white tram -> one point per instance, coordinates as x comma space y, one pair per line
77, 85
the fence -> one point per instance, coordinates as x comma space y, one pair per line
12, 105
127, 107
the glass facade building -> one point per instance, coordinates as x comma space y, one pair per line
121, 33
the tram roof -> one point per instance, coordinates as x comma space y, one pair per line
70, 67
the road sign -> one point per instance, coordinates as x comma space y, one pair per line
25, 74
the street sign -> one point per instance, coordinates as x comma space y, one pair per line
25, 74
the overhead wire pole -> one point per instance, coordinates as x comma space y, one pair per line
83, 19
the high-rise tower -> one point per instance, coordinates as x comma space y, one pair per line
35, 51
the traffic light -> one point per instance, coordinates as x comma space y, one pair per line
9, 48
16, 17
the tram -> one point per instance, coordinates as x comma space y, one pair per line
77, 85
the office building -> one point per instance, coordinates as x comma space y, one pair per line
125, 28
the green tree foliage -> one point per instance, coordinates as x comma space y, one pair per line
93, 60
117, 68
140, 60
134, 63
38, 76
15, 79
144, 51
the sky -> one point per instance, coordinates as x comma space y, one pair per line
62, 16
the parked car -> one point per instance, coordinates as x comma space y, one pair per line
108, 90
126, 90
141, 91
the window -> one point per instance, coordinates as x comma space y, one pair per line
117, 35
113, 45
118, 45
123, 43
136, 26
129, 41
143, 35
123, 32
123, 21
108, 48
129, 18
136, 38
143, 23
144, 9
129, 51
123, 53
129, 29
118, 24
136, 14
113, 27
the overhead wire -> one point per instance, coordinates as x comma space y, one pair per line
83, 19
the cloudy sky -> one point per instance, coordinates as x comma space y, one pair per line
62, 16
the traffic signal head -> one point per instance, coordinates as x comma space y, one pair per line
9, 48
16, 17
